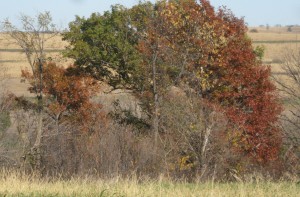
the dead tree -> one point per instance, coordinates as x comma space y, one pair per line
31, 38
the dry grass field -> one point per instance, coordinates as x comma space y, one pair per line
18, 184
276, 41
11, 55
12, 60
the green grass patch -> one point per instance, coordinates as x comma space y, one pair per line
4, 121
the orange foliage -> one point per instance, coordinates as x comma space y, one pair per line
66, 93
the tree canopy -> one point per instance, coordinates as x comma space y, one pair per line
189, 95
188, 44
104, 46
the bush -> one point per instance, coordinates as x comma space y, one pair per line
4, 122
6, 102
254, 31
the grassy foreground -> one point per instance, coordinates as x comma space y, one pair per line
14, 184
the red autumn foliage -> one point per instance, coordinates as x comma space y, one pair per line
251, 103
65, 92
211, 53
248, 94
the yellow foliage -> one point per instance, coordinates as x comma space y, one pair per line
185, 163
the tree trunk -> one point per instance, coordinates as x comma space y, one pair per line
156, 104
36, 149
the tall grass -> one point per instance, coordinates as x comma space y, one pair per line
17, 184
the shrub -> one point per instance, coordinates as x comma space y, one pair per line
254, 31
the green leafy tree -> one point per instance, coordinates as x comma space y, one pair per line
188, 44
104, 46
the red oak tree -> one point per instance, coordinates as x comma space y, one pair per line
209, 51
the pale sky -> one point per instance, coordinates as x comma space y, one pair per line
256, 12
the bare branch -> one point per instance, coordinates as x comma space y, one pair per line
289, 85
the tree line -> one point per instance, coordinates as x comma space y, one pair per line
208, 105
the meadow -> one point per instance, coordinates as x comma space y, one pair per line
18, 184
276, 42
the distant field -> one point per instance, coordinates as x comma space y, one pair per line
264, 29
11, 55
276, 40
276, 43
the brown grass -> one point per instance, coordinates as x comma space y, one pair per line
276, 41
274, 36
12, 58
276, 29
18, 184
54, 42
274, 52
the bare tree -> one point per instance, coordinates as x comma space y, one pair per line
31, 37
194, 124
289, 86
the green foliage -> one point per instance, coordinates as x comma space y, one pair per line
4, 121
151, 47
259, 52
104, 46
140, 15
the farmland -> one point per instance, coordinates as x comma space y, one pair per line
276, 42
14, 60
